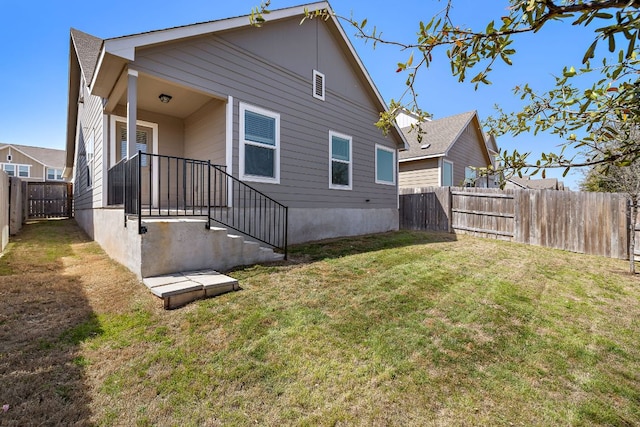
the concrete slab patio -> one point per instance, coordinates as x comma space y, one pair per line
178, 289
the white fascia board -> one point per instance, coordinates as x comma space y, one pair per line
125, 47
97, 70
413, 159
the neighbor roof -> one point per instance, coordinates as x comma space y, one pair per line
439, 134
537, 184
47, 156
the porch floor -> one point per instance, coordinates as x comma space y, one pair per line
178, 289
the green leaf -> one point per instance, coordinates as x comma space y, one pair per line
590, 52
612, 43
632, 44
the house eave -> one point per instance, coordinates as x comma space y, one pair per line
413, 159
72, 106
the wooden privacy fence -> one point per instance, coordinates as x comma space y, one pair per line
589, 223
49, 199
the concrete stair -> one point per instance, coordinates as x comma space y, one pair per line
180, 259
184, 244
178, 289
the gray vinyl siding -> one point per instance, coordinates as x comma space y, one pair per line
277, 76
419, 173
205, 133
89, 121
467, 151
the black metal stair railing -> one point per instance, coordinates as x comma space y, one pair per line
154, 185
243, 208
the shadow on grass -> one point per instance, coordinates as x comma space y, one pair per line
44, 318
336, 248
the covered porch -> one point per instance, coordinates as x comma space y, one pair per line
178, 163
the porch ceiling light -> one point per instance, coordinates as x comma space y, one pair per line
164, 98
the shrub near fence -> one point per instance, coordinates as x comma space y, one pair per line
589, 223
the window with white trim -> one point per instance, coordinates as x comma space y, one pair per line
23, 171
385, 165
259, 144
14, 169
340, 170
447, 173
54, 174
9, 168
470, 176
318, 85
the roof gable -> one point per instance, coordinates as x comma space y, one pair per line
116, 53
87, 48
46, 156
438, 136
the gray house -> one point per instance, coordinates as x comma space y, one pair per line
448, 154
204, 145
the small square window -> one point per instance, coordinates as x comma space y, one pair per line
23, 171
54, 174
10, 169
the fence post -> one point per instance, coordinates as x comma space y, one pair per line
449, 210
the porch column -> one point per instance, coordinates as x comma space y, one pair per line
132, 111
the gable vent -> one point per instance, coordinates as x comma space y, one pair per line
318, 85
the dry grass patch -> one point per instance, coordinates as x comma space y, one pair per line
403, 328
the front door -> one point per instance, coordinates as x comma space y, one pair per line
144, 138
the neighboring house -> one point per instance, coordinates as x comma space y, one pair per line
534, 184
285, 114
447, 154
32, 163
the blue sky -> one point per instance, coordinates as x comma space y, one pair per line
34, 44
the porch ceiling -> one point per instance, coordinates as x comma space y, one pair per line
184, 101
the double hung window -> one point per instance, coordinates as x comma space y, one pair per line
340, 173
259, 144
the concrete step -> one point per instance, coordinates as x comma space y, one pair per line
184, 244
178, 289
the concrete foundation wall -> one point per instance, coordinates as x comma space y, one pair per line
307, 225
174, 245
106, 226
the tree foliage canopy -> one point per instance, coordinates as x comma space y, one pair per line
587, 117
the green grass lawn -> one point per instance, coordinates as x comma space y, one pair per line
405, 328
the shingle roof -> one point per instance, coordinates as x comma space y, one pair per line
47, 156
537, 184
439, 134
88, 50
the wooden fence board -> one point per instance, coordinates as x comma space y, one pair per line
591, 223
49, 199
